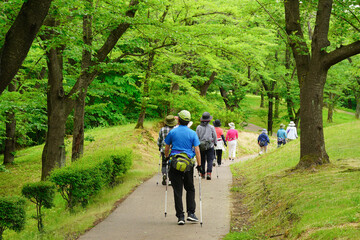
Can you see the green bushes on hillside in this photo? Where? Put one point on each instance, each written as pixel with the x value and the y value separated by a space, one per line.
pixel 12 214
pixel 81 180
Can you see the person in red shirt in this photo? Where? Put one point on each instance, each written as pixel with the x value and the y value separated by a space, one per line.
pixel 219 148
pixel 231 138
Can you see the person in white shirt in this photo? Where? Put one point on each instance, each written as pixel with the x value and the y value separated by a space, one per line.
pixel 291 131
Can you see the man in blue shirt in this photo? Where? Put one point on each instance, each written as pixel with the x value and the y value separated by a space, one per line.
pixel 183 140
pixel 281 135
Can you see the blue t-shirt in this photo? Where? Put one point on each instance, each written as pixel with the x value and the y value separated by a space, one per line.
pixel 182 140
pixel 281 133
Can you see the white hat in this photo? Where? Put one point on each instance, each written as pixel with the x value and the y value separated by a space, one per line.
pixel 231 125
pixel 291 124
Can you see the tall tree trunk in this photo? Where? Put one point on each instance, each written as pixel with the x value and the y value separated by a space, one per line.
pixel 270 113
pixel 357 99
pixel 58 109
pixel 262 101
pixel 277 103
pixel 330 108
pixel 10 141
pixel 206 85
pixel 145 95
pixel 20 37
pixel 79 109
pixel 312 136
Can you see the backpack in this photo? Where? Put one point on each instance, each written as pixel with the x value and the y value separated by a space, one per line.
pixel 205 145
pixel 262 143
pixel 181 162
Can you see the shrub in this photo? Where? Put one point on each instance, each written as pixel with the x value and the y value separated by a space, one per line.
pixel 42 194
pixel 122 163
pixel 77 183
pixel 12 214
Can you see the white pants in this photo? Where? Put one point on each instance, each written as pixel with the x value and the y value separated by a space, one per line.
pixel 232 149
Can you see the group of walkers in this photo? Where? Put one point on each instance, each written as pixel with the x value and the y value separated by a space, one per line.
pixel 283 136
pixel 180 147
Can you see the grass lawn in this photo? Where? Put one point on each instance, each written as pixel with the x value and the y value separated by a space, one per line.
pixel 323 203
pixel 59 223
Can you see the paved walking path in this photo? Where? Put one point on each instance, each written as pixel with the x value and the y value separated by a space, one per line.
pixel 141 216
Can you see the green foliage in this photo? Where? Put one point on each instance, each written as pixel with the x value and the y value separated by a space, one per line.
pixel 12 214
pixel 122 163
pixel 80 181
pixel 42 195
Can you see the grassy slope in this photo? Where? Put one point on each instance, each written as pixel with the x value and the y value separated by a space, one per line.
pixel 59 223
pixel 323 203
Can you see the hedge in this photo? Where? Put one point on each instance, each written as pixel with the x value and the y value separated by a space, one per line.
pixel 83 179
pixel 12 214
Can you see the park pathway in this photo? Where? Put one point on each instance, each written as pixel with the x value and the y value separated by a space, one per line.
pixel 141 215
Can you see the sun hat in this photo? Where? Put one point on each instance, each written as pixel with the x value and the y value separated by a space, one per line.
pixel 184 115
pixel 217 123
pixel 231 125
pixel 292 124
pixel 264 131
pixel 205 117
pixel 170 120
pixel 282 125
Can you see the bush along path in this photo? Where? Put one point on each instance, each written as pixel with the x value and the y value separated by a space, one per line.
pixel 141 215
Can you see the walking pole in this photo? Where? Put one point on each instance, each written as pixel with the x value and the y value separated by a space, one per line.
pixel 167 182
pixel 201 222
pixel 216 166
pixel 159 169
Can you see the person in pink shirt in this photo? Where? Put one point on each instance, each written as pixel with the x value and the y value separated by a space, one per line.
pixel 219 148
pixel 231 138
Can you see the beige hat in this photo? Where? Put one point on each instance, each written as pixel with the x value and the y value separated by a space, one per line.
pixel 170 121
pixel 231 125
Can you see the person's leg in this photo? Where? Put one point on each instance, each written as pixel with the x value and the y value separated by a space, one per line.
pixel 190 191
pixel 219 156
pixel 203 160
pixel 163 163
pixel 176 178
pixel 209 159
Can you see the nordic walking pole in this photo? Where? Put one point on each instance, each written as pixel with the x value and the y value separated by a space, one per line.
pixel 159 169
pixel 201 222
pixel 167 182
pixel 217 174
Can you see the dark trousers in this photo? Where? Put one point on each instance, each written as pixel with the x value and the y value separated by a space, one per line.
pixel 218 155
pixel 178 181
pixel 163 163
pixel 207 156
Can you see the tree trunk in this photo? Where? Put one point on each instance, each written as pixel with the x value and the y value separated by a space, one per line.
pixel 79 111
pixel 357 113
pixel 330 108
pixel 277 103
pixel 10 141
pixel 312 136
pixel 270 113
pixel 20 37
pixel 58 111
pixel 145 95
pixel 262 102
pixel 206 85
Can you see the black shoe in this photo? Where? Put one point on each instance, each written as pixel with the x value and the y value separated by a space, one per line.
pixel 164 180
pixel 181 221
pixel 214 164
pixel 192 218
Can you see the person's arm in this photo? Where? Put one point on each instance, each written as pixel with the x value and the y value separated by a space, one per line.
pixel 223 138
pixel 167 150
pixel 197 154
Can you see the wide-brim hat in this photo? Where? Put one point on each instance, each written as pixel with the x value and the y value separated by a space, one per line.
pixel 206 117
pixel 170 121
pixel 232 125
pixel 292 124
pixel 264 131
pixel 217 123
pixel 282 125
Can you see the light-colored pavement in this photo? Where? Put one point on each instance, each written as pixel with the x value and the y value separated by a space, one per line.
pixel 141 216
